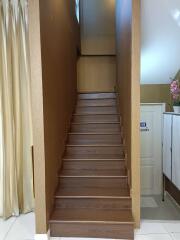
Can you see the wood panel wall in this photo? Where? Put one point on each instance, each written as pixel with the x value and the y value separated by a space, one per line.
pixel 53 50
pixel 128 87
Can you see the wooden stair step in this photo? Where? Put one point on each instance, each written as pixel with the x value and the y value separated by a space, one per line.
pixel 79 118
pixel 84 139
pixel 94 150
pixel 96 127
pixel 93 202
pixel 93 192
pixel 94 172
pixel 97 109
pixel 93 156
pixel 95 223
pixel 94 165
pixel 96 96
pixel 93 181
pixel 95 102
pixel 96 215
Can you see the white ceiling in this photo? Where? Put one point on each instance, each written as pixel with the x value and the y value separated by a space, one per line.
pixel 160 55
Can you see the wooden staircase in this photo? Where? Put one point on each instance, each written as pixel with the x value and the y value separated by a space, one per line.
pixel 93 197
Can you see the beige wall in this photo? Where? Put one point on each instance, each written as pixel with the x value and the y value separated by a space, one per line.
pixel 54 93
pixel 98 27
pixel 128 86
pixel 155 93
pixel 96 74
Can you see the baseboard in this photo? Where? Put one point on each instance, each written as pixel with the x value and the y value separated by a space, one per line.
pixel 42 236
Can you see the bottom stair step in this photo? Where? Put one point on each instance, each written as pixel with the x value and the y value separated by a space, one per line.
pixel 95 223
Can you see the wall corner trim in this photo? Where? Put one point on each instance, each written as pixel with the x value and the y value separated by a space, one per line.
pixel 42 236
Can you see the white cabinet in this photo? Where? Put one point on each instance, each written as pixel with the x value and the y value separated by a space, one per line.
pixel 171 148
pixel 176 151
pixel 167 138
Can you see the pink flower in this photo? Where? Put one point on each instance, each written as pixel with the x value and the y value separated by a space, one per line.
pixel 175 89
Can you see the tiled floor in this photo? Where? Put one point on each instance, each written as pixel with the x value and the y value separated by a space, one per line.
pixel 166 210
pixel 23 228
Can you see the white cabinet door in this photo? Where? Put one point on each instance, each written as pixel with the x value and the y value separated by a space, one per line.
pixel 176 151
pixel 151 149
pixel 167 135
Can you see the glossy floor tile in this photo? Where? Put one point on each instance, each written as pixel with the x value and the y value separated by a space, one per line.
pixel 23 228
pixel 166 210
pixel 5 226
pixel 175 236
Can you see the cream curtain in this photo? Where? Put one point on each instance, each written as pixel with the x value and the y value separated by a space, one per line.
pixel 16 172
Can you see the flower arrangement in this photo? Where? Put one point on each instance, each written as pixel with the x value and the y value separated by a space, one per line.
pixel 175 92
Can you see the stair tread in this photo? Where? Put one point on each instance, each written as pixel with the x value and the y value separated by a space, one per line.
pixel 80 123
pixel 94 114
pixel 96 95
pixel 93 191
pixel 91 133
pixel 94 215
pixel 96 145
pixel 93 172
pixel 93 196
pixel 93 159
pixel 94 156
pixel 95 102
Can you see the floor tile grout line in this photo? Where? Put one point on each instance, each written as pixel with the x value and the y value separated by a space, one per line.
pixel 11 226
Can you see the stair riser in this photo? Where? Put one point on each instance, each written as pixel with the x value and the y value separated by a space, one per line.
pixel 92 230
pixel 95 139
pixel 95 118
pixel 96 128
pixel 94 110
pixel 117 152
pixel 94 165
pixel 92 203
pixel 94 103
pixel 109 172
pixel 98 192
pixel 97 96
pixel 93 182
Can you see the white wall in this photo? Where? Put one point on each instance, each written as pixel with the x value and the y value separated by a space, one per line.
pixel 160 57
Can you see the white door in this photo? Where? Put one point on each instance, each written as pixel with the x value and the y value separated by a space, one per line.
pixel 176 151
pixel 151 148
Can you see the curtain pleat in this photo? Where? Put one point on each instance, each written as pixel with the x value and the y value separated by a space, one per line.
pixel 16 185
